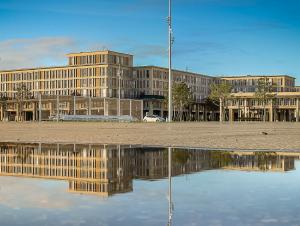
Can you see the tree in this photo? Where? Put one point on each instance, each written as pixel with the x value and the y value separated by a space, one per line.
pixel 181 157
pixel 22 94
pixel 219 93
pixel 264 92
pixel 182 98
pixel 3 100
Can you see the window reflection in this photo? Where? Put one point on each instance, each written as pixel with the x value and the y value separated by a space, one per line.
pixel 110 169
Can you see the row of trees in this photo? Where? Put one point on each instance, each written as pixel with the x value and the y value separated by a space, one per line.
pixel 22 94
pixel 223 91
pixel 219 94
pixel 182 97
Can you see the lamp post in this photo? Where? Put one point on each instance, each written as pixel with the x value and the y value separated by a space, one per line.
pixel 40 106
pixel 119 97
pixel 170 62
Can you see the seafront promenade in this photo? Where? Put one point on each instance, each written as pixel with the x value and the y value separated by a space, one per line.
pixel 243 135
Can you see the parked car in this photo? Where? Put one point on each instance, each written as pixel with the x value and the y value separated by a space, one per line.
pixel 54 117
pixel 153 118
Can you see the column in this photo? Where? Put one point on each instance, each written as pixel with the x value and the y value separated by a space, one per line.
pixel 17 113
pixel 284 115
pixel 161 109
pixel 290 115
pixel 297 110
pixel 271 112
pixel 130 107
pixel 198 112
pixel 150 107
pixel 1 115
pixel 231 116
pixel 245 109
pixel 57 108
pixel 34 112
pixel 40 107
pixel 74 104
pixel 50 107
pixel 105 105
pixel 89 105
pixel 142 109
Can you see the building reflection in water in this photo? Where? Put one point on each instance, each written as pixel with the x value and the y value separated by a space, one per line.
pixel 110 169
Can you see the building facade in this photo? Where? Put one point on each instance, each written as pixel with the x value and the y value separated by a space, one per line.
pixel 282 106
pixel 47 107
pixel 108 75
pixel 152 85
pixel 248 83
pixel 95 74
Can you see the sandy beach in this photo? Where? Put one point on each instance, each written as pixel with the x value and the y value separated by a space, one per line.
pixel 285 136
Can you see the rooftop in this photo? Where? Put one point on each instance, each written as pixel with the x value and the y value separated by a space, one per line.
pixel 97 52
pixel 175 70
pixel 255 76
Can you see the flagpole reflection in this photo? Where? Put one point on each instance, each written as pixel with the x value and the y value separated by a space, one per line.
pixel 170 216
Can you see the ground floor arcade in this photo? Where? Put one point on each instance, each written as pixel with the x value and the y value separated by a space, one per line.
pixel 283 107
pixel 46 107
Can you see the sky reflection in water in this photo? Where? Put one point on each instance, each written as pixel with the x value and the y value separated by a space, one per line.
pixel 122 185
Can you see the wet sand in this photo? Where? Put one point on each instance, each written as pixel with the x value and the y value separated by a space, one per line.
pixel 285 136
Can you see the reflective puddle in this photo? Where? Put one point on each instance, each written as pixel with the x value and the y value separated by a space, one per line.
pixel 92 184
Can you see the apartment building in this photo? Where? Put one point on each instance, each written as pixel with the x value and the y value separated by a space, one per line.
pixel 95 74
pixel 105 74
pixel 248 83
pixel 278 106
pixel 108 74
pixel 152 80
pixel 152 84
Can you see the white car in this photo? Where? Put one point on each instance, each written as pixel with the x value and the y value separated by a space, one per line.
pixel 153 118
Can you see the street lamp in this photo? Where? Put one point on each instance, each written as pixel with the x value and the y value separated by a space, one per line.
pixel 119 98
pixel 170 62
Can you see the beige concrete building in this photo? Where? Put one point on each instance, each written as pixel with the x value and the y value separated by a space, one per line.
pixel 248 83
pixel 94 74
pixel 282 106
pixel 282 103
pixel 152 80
pixel 45 107
pixel 152 85
pixel 101 76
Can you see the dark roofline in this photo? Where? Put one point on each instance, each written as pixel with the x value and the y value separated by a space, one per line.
pixel 176 70
pixel 99 51
pixel 32 69
pixel 253 76
pixel 50 67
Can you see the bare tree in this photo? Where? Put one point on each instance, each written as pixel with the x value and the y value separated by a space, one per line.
pixel 219 93
pixel 182 98
pixel 3 100
pixel 263 92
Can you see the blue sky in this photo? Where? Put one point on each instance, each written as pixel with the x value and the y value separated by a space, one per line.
pixel 214 37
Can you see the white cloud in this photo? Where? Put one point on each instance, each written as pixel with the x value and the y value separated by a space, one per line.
pixel 150 50
pixel 24 53
pixel 31 193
